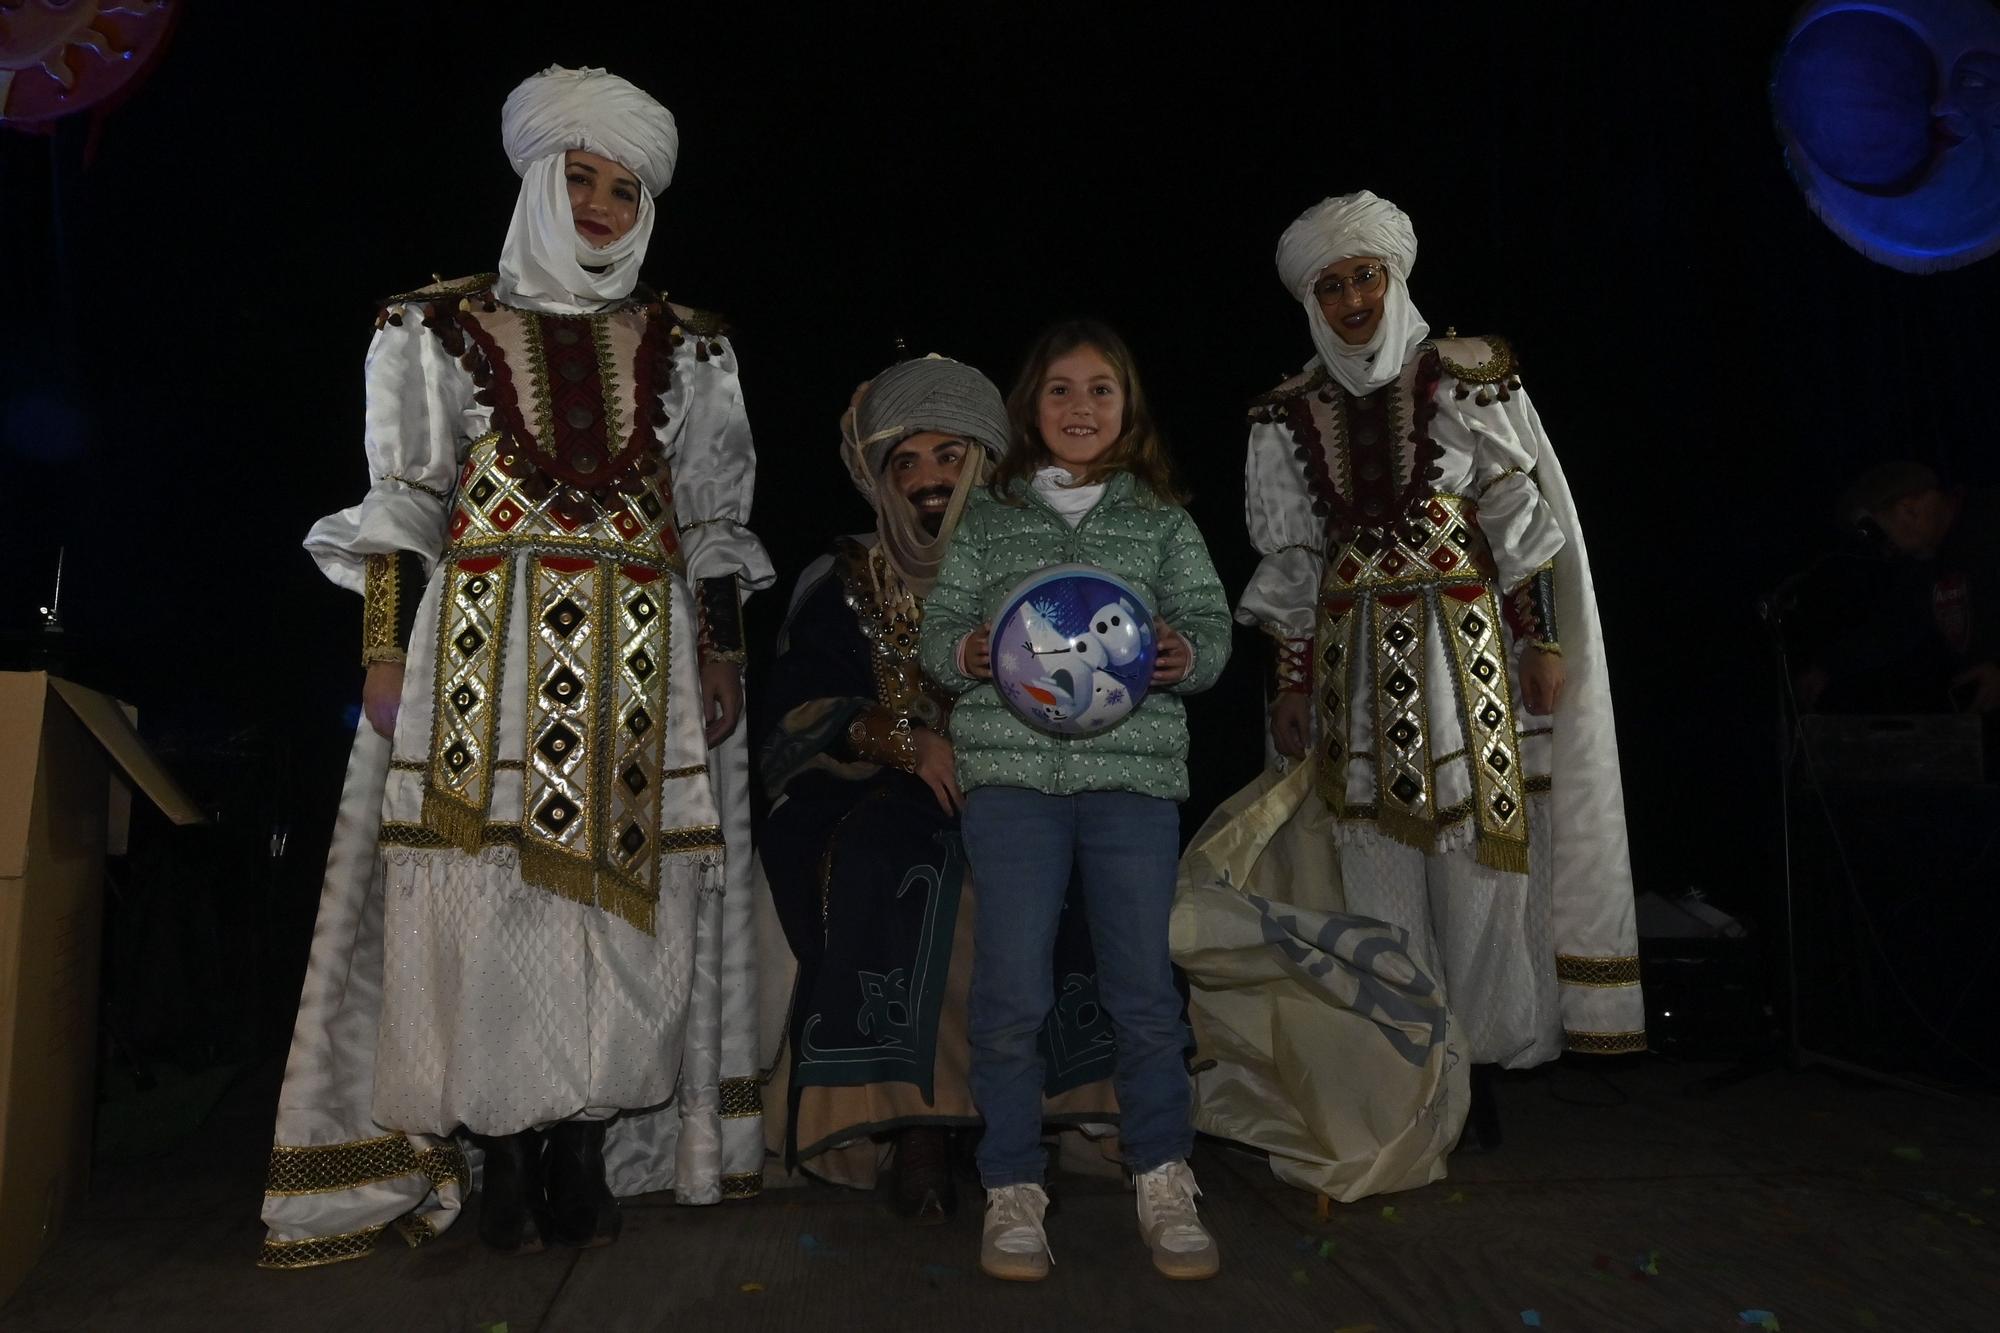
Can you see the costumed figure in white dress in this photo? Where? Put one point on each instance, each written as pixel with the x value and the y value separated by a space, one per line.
pixel 862 847
pixel 524 934
pixel 1441 679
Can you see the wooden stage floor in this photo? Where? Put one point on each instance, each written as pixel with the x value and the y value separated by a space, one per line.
pixel 1619 1202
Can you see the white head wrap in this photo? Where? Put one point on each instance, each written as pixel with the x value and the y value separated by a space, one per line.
pixel 542 262
pixel 1349 226
pixel 911 397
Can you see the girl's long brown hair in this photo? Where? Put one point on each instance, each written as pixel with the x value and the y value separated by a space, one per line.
pixel 1139 448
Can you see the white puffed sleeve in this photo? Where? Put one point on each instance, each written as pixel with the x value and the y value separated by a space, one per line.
pixel 714 467
pixel 1519 525
pixel 417 397
pixel 1291 538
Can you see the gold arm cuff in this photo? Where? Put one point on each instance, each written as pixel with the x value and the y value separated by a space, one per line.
pixel 1574 970
pixel 881 737
pixel 741 1097
pixel 379 596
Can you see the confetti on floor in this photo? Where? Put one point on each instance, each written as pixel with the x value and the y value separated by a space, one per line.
pixel 1763 1319
pixel 1907 1153
pixel 1649 1263
pixel 1456 1196
pixel 1389 1213
pixel 751 1288
pixel 1532 1318
pixel 1326 1248
pixel 1299 1276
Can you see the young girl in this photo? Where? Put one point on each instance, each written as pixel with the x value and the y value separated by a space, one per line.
pixel 1086 480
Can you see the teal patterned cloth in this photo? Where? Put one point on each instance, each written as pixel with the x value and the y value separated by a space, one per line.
pixel 1153 546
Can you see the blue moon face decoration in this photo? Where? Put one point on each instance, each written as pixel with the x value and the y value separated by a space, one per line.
pixel 1073 650
pixel 1889 111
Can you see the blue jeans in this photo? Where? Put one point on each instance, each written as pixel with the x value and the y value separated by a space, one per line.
pixel 1021 845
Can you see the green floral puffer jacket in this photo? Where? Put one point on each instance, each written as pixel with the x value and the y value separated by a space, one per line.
pixel 1153 546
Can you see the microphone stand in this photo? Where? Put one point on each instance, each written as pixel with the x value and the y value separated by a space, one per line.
pixel 1772 608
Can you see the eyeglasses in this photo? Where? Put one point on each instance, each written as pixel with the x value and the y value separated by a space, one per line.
pixel 1364 281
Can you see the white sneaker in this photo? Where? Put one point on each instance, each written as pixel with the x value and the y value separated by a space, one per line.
pixel 1014 1247
pixel 1182 1247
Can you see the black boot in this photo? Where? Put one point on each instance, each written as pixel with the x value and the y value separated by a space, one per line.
pixel 512 1213
pixel 1482 1118
pixel 582 1212
pixel 924 1190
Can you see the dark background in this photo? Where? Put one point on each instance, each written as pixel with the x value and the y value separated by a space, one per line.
pixel 187 312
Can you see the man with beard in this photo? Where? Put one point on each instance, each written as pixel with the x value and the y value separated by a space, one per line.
pixel 862 847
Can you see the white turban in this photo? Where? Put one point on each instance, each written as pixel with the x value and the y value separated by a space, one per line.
pixel 542 265
pixel 1350 226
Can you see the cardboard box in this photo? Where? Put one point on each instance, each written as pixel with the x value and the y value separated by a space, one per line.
pixel 66 755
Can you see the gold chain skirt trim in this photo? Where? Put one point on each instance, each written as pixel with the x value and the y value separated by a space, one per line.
pixel 1606 1043
pixel 317 1251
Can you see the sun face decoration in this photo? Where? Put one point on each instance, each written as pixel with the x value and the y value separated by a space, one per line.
pixel 60 56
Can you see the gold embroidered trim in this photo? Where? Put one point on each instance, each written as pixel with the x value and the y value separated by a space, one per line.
pixel 1606 1043
pixel 473 621
pixel 316 1251
pixel 329 1168
pixel 880 737
pixel 692 770
pixel 415 1230
pixel 441 287
pixel 442 497
pixel 741 1097
pixel 1497 367
pixel 702 323
pixel 379 597
pixel 743 1185
pixel 697 838
pixel 1574 970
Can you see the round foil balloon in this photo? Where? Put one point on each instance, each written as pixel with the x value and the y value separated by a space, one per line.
pixel 1073 650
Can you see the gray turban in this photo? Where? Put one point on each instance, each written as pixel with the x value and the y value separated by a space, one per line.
pixel 909 398
pixel 930 393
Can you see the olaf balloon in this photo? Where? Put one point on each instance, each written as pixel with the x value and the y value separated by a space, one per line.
pixel 1073 650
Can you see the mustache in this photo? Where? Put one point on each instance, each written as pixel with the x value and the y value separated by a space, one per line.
pixel 930 493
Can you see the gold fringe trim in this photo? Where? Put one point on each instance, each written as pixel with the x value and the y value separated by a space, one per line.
pixel 1503 854
pixel 570 876
pixel 1606 1043
pixel 460 823
pixel 1576 970
pixel 1410 830
pixel 318 1251
pixel 743 1185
